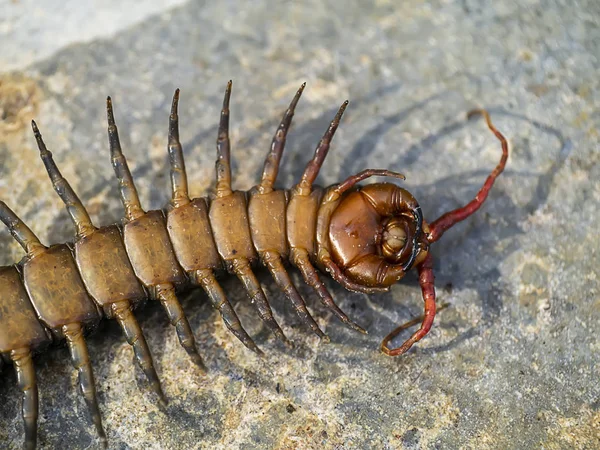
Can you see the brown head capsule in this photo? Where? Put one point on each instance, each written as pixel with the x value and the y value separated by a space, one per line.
pixel 375 235
pixel 369 237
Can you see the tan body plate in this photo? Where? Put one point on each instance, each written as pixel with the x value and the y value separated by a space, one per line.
pixel 19 325
pixel 105 268
pixel 301 220
pixel 229 220
pixel 56 289
pixel 150 251
pixel 266 213
pixel 191 235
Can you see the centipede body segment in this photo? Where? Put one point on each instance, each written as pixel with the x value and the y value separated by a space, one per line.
pixel 365 237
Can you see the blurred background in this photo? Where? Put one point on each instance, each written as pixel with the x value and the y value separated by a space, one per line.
pixel 512 363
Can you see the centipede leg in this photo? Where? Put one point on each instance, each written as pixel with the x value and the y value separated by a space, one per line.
pixel 133 334
pixel 257 297
pixel 127 189
pixel 223 165
pixel 271 167
pixel 81 361
pixel 179 182
pixel 314 166
pixel 168 299
pixel 311 277
pixel 352 180
pixel 20 231
pixel 28 385
pixel 426 280
pixel 273 262
pixel 447 220
pixel 216 295
pixel 78 213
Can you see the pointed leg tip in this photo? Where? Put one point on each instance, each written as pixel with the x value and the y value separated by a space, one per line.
pixel 200 364
pixel 322 336
pixel 175 102
pixel 358 328
pixel 250 345
pixel 162 398
pixel 162 401
pixel 109 111
pixel 104 443
pixel 289 344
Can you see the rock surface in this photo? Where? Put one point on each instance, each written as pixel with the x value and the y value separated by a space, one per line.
pixel 512 363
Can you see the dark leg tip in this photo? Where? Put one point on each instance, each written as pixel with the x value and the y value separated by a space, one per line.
pixel 322 336
pixel 199 363
pixel 356 327
pixel 250 345
pixel 162 398
pixel 289 344
pixel 163 402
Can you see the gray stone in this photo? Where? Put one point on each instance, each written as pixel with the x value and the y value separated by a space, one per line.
pixel 512 363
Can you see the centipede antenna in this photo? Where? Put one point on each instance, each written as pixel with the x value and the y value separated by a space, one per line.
pixel 77 211
pixel 449 219
pixel 21 232
pixel 223 165
pixel 81 361
pixel 129 194
pixel 179 181
pixel 273 159
pixel 314 166
pixel 28 385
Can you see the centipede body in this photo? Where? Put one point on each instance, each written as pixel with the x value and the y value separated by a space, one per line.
pixel 366 238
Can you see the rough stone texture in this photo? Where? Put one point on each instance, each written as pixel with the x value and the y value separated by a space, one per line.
pixel 512 363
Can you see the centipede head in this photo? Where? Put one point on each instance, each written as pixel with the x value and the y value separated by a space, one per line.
pixel 375 235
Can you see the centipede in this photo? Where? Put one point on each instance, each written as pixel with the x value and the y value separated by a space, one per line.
pixel 364 236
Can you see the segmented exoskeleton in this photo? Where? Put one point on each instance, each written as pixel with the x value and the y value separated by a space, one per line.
pixel 365 237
